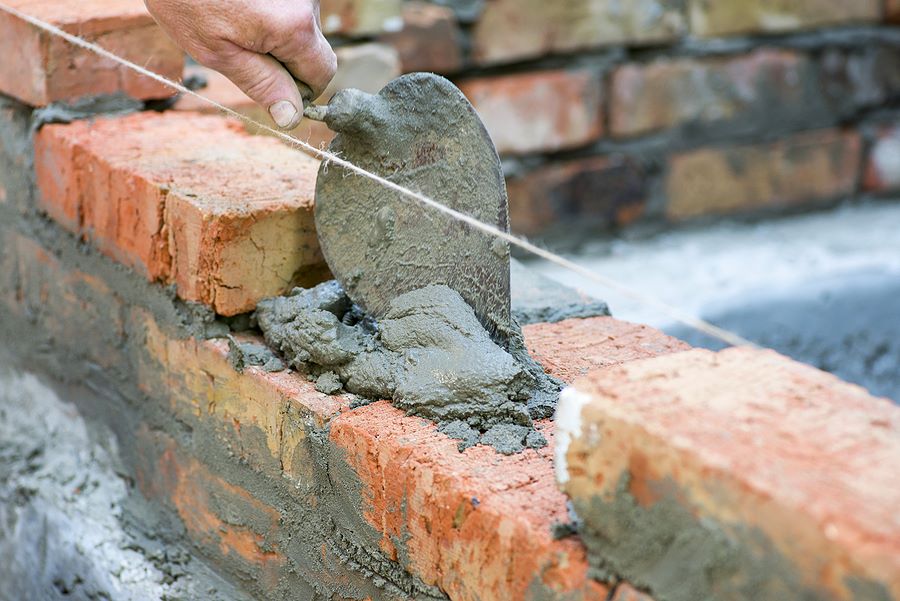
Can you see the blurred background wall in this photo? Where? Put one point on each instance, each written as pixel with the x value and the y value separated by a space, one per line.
pixel 615 113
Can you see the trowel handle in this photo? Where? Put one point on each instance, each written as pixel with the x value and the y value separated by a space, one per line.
pixel 312 111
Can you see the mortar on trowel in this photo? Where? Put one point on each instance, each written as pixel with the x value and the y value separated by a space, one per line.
pixel 420 312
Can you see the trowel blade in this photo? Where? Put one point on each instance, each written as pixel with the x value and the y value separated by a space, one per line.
pixel 422 133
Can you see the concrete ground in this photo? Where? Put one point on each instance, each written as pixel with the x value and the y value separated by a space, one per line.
pixel 822 288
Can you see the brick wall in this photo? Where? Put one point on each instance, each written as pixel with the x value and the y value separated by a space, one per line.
pixel 573 91
pixel 129 251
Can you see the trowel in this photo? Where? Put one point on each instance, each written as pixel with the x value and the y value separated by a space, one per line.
pixel 419 132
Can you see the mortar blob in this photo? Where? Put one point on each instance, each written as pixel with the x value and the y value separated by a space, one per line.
pixel 429 354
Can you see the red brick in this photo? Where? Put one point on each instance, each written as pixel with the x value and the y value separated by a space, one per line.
pixel 671 92
pixel 360 17
pixel 225 520
pixel 883 162
pixel 478 524
pixel 808 167
pixel 511 30
pixel 539 111
pixel 188 199
pixel 48 69
pixel 429 41
pixel 595 192
pixel 767 450
pixel 726 17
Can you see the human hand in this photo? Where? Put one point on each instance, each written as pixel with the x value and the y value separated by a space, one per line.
pixel 262 46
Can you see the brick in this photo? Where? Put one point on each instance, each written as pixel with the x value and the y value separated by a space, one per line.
pixel 49 69
pixel 597 192
pixel 513 30
pixel 788 466
pixel 224 520
pixel 357 18
pixel 743 89
pixel 883 161
pixel 366 67
pixel 429 41
pixel 478 524
pixel 626 592
pixel 186 199
pixel 710 18
pixel 808 167
pixel 539 111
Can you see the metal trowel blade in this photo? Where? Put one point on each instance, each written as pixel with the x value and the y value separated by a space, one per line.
pixel 422 133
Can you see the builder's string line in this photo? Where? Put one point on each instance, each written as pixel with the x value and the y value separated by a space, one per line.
pixel 664 308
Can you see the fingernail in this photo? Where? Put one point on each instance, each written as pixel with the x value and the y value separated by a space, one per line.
pixel 284 113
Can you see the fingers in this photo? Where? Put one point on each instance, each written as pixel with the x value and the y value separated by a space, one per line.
pixel 314 62
pixel 266 81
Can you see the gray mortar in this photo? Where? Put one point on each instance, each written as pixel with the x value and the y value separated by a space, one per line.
pixel 63 506
pixel 538 299
pixel 429 354
pixel 666 550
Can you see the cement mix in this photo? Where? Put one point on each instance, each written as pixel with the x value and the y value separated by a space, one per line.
pixel 63 502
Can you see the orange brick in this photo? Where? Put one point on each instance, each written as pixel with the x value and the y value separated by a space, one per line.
pixel 539 111
pixel 478 524
pixel 221 518
pixel 670 92
pixel 883 161
pixel 784 461
pixel 48 69
pixel 590 193
pixel 188 199
pixel 808 167
pixel 360 17
pixel 727 17
pixel 510 30
pixel 430 39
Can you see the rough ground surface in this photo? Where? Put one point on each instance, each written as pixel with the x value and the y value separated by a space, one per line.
pixel 65 510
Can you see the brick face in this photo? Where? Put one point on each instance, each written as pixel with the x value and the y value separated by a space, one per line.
pixel 595 192
pixel 747 88
pixel 511 30
pixel 808 167
pixel 761 447
pixel 726 17
pixel 430 39
pixel 360 17
pixel 539 111
pixel 225 216
pixel 48 69
pixel 892 11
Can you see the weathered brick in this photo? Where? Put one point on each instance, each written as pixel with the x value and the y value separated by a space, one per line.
pixel 430 39
pixel 360 17
pixel 224 520
pixel 756 87
pixel 595 192
pixel 539 111
pixel 48 69
pixel 476 523
pixel 727 17
pixel 786 467
pixel 808 167
pixel 225 216
pixel 883 162
pixel 511 30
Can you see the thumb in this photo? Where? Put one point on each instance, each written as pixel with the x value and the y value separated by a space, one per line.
pixel 267 82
